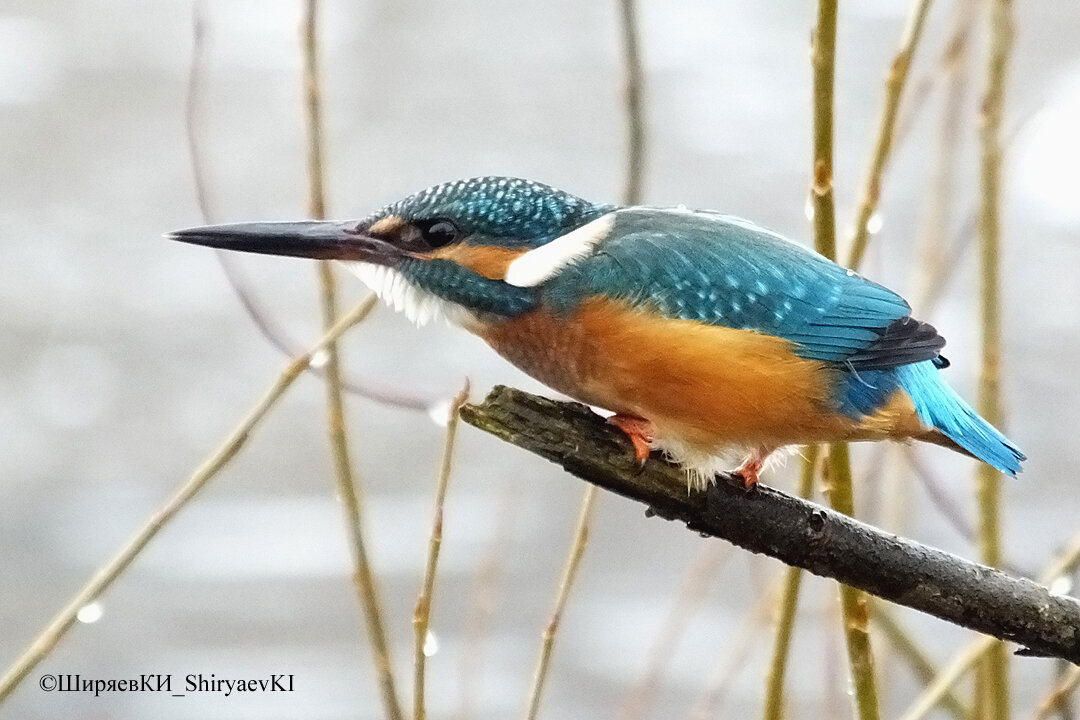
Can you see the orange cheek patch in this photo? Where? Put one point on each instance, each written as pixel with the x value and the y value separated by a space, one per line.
pixel 491 262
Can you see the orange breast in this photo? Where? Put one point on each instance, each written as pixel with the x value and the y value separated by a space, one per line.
pixel 709 385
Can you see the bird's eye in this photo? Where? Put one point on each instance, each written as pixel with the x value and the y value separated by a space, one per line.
pixel 439 233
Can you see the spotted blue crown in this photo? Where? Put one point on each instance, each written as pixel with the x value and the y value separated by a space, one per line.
pixel 521 213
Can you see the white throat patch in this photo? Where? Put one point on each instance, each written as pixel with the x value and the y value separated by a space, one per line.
pixel 397 292
pixel 536 266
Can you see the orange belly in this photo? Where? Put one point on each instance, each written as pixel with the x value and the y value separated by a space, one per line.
pixel 708 386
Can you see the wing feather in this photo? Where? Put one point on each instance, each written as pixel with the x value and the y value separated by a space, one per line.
pixel 725 271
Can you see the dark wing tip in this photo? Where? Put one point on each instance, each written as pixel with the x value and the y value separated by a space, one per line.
pixel 902 342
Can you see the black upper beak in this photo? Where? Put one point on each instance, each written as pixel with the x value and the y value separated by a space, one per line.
pixel 308 239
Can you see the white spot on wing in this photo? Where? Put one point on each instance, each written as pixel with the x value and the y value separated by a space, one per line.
pixel 536 266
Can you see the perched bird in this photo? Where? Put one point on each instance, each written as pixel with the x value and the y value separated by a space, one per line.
pixel 704 333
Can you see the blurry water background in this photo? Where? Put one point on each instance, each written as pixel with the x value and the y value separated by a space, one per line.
pixel 126 358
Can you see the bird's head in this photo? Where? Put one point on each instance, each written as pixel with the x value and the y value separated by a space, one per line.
pixel 450 244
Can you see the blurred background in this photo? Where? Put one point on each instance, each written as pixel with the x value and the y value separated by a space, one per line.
pixel 127 358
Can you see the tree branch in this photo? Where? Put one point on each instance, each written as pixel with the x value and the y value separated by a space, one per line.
pixel 794 531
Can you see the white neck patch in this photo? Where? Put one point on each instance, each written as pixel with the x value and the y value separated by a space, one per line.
pixel 536 266
pixel 420 306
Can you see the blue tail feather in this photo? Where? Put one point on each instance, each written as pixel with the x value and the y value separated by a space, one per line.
pixel 939 406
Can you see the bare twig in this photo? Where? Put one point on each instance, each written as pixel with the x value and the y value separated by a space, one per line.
pixel 1059 695
pixel 989 232
pixel 635 107
pixel 854 603
pixel 934 692
pixel 482 601
pixel 191 110
pixel 823 55
pixel 1064 564
pixel 274 334
pixel 726 670
pixel 913 655
pixel 949 508
pixel 923 88
pixel 894 87
pixel 309 41
pixel 577 550
pixel 422 613
pixel 642 694
pixel 111 570
pixel 635 168
pixel 965 234
pixel 793 530
pixel 348 490
pixel 789 603
pixel 933 230
pixel 835 701
pixel 994 672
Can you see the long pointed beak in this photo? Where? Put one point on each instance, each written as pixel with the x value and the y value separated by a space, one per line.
pixel 308 239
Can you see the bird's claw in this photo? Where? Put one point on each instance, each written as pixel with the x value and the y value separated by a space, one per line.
pixel 744 480
pixel 746 475
pixel 639 432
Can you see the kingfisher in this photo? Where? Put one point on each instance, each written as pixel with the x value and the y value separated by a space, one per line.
pixel 707 336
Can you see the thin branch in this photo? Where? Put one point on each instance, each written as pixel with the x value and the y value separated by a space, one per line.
pixel 313 124
pixel 934 692
pixel 795 531
pixel 1060 695
pixel 725 672
pixel 483 599
pixel 789 603
pixel 853 602
pixel 577 550
pixel 694 586
pixel 894 87
pixel 946 506
pixel 823 56
pixel 990 236
pixel 633 89
pixel 274 334
pixel 1064 690
pixel 635 168
pixel 966 232
pixel 923 668
pixel 422 612
pixel 349 492
pixel 1065 564
pixel 835 701
pixel 994 672
pixel 47 639
pixel 347 487
pixel 923 88
pixel 191 110
pixel 932 240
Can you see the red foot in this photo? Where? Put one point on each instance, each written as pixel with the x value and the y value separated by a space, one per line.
pixel 638 430
pixel 752 466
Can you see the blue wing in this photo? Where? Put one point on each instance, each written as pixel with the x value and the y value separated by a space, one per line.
pixel 724 271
